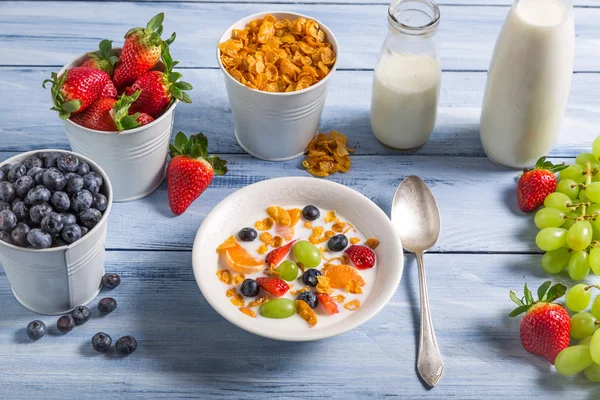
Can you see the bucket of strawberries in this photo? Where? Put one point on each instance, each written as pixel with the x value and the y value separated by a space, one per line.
pixel 118 106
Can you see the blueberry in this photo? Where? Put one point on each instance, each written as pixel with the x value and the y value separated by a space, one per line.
pixel 81 201
pixel 83 168
pixel 126 345
pixel 101 342
pixel 84 230
pixel 249 288
pixel 311 213
pixel 107 305
pixel 23 185
pixel 20 209
pixel 71 233
pixel 7 191
pixel 19 234
pixel 247 234
pixel 68 219
pixel 81 315
pixel 38 195
pixel 74 183
pixel 54 179
pixel 36 329
pixel 100 202
pixel 337 242
pixel 91 183
pixel 39 211
pixel 309 277
pixel 111 281
pixel 5 205
pixel 8 220
pixel 33 170
pixel 52 223
pixel 33 162
pixel 57 241
pixel 67 162
pixel 39 176
pixel 60 201
pixel 6 169
pixel 5 237
pixel 39 239
pixel 90 217
pixel 97 176
pixel 65 324
pixel 309 297
pixel 3 177
pixel 17 171
pixel 49 159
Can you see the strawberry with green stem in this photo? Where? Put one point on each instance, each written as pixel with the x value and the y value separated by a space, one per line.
pixel 545 328
pixel 159 89
pixel 190 171
pixel 141 51
pixel 537 183
pixel 103 59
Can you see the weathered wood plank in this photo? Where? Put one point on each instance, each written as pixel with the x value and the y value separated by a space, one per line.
pixel 52 36
pixel 476 199
pixel 27 122
pixel 186 350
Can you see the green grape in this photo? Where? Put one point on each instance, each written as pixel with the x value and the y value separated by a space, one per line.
pixel 579 265
pixel 554 262
pixel 579 235
pixel 596 307
pixel 549 218
pixel 278 308
pixel 596 147
pixel 583 158
pixel 583 324
pixel 594 260
pixel 595 347
pixel 573 360
pixel 586 340
pixel 570 221
pixel 574 171
pixel 592 373
pixel 592 209
pixel 568 187
pixel 582 196
pixel 288 270
pixel 308 254
pixel 548 239
pixel 557 200
pixel 593 192
pixel 577 298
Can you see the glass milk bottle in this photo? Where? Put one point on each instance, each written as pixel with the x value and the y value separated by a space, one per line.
pixel 528 82
pixel 406 82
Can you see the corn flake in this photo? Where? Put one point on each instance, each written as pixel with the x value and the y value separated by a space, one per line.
pixel 277 242
pixel 372 243
pixel 330 217
pixel 323 285
pixel 239 278
pixel 224 276
pixel 352 305
pixel 231 292
pixel 338 226
pixel 307 313
pixel 279 215
pixel 266 238
pixel 353 287
pixel 340 298
pixel 272 271
pixel 264 225
pixel 354 240
pixel 238 300
pixel 327 154
pixel 308 224
pixel 258 302
pixel 262 249
pixel 248 312
pixel 295 214
pixel 301 290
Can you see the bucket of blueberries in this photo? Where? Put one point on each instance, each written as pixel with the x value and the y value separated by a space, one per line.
pixel 54 207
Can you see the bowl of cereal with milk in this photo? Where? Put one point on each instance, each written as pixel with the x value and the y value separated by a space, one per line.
pixel 297 259
pixel 277 68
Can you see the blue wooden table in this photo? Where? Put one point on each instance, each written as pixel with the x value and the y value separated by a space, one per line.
pixel 186 350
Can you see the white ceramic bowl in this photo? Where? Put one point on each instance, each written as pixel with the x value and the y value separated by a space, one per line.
pixel 276 126
pixel 135 159
pixel 224 220
pixel 54 281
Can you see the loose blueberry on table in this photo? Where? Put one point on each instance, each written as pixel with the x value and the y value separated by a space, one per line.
pixel 81 315
pixel 111 281
pixel 107 305
pixel 126 345
pixel 36 329
pixel 101 342
pixel 65 324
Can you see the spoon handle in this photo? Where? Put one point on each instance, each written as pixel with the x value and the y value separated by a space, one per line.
pixel 429 360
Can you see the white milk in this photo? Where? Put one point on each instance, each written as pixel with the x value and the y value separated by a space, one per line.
pixel 528 82
pixel 405 96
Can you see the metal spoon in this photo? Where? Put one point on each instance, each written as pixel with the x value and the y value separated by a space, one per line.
pixel 417 220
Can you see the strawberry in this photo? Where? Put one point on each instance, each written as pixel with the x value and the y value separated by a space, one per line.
pixel 362 256
pixel 190 170
pixel 535 184
pixel 109 91
pixel 76 89
pixel 274 286
pixel 276 256
pixel 327 302
pixel 546 326
pixel 104 59
pixel 141 51
pixel 108 115
pixel 143 118
pixel 159 89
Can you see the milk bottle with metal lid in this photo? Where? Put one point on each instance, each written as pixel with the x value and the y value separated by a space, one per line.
pixel 528 82
pixel 406 82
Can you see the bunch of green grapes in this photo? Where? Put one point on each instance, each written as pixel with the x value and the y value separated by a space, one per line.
pixel 569 222
pixel 584 356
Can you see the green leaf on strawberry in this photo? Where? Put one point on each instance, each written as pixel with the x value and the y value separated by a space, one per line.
pixel 123 120
pixel 546 294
